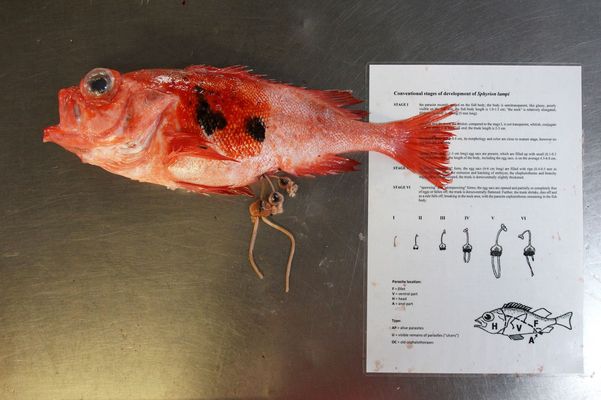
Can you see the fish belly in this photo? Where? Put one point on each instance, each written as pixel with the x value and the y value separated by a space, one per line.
pixel 218 173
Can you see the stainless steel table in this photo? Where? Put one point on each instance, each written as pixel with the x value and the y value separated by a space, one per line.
pixel 111 289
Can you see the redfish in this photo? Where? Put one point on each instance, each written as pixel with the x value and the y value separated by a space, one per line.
pixel 217 130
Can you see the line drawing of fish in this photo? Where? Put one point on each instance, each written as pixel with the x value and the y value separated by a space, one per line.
pixel 516 320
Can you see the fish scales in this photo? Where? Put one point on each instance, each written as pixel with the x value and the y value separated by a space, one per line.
pixel 218 130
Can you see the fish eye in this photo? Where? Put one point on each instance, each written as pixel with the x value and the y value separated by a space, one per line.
pixel 487 317
pixel 98 82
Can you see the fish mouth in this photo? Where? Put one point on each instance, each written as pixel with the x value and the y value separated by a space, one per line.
pixel 70 140
pixel 52 133
pixel 479 324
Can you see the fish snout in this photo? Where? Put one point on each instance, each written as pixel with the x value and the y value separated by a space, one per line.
pixel 69 109
pixel 65 133
pixel 480 323
pixel 51 134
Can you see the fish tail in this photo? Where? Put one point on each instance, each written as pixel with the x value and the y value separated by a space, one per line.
pixel 421 144
pixel 565 320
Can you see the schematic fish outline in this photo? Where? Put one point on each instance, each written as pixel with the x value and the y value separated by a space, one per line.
pixel 516 321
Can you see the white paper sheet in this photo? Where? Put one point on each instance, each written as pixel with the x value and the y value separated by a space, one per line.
pixel 517 163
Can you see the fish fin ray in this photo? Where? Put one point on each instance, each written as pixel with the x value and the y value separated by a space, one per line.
pixel 517 305
pixel 340 99
pixel 232 69
pixel 335 98
pixel 543 312
pixel 421 144
pixel 204 189
pixel 328 164
pixel 188 144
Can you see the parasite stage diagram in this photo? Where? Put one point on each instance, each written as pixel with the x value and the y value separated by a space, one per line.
pixel 442 245
pixel 495 253
pixel 528 250
pixel 467 247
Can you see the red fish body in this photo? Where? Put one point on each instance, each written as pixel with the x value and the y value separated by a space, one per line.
pixel 212 130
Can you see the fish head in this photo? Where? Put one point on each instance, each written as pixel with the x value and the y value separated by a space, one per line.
pixel 491 321
pixel 109 119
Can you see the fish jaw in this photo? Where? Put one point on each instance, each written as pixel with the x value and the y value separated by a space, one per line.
pixel 480 323
pixel 69 140
pixel 65 133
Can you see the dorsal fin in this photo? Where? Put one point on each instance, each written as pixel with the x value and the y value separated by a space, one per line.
pixel 233 69
pixel 341 99
pixel 543 312
pixel 336 98
pixel 516 305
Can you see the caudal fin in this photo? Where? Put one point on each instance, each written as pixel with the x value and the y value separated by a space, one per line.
pixel 422 145
pixel 565 320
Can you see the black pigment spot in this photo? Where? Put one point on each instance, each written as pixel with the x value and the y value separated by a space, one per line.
pixel 256 128
pixel 209 120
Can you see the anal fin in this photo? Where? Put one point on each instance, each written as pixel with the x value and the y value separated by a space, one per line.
pixel 203 189
pixel 328 164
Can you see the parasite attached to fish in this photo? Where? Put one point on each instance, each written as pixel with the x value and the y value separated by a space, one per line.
pixel 218 130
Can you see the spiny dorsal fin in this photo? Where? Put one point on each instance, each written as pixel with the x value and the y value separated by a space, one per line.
pixel 233 69
pixel 336 98
pixel 516 305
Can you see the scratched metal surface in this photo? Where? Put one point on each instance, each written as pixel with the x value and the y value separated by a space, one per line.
pixel 111 289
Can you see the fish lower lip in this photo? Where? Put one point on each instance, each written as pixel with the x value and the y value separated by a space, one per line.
pixel 50 132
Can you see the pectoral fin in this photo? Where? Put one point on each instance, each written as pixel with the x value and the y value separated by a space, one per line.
pixel 191 144
pixel 516 337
